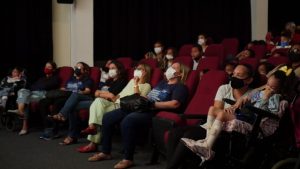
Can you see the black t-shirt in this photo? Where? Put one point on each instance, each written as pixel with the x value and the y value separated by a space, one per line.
pixel 115 87
pixel 46 83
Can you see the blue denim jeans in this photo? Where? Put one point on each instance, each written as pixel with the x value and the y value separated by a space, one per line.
pixel 72 102
pixel 131 125
pixel 74 121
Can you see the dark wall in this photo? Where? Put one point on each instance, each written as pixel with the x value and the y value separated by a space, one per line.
pixel 129 27
pixel 281 12
pixel 27 35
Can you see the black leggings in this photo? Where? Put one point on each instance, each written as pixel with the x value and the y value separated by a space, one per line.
pixel 177 152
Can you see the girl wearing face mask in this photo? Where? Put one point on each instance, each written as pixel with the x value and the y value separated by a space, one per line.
pixel 169 94
pixel 36 92
pixel 169 58
pixel 139 84
pixel 267 98
pixel 202 41
pixel 77 88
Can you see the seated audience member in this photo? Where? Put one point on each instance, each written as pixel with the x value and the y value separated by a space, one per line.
pixel 158 54
pixel 202 41
pixel 264 68
pixel 10 85
pixel 285 39
pixel 138 84
pixel 169 94
pixel 291 28
pixel 63 103
pixel 238 86
pixel 267 98
pixel 229 67
pixel 196 53
pixel 247 53
pixel 294 57
pixel 36 92
pixel 171 53
pixel 104 74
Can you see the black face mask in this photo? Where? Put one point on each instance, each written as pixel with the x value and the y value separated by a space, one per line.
pixel 294 55
pixel 236 83
pixel 77 72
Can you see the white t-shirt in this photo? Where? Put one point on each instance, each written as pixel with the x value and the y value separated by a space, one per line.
pixel 195 65
pixel 225 91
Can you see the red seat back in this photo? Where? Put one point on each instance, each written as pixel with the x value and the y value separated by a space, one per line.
pixel 215 50
pixel 280 51
pixel 126 61
pixel 259 50
pixel 192 83
pixel 296 39
pixel 130 72
pixel 156 77
pixel 64 74
pixel 278 60
pixel 95 75
pixel 231 46
pixel 251 61
pixel 209 63
pixel 186 60
pixel 205 93
pixel 295 113
pixel 151 62
pixel 185 50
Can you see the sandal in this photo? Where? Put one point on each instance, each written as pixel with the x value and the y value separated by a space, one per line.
pixel 99 157
pixel 124 164
pixel 68 141
pixel 58 117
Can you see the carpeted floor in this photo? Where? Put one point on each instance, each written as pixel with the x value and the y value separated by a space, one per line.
pixel 30 152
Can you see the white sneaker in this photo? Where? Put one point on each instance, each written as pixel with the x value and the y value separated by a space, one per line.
pixel 199 147
pixel 204 126
pixel 23 132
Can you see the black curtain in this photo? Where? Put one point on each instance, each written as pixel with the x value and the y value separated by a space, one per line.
pixel 281 12
pixel 125 28
pixel 27 35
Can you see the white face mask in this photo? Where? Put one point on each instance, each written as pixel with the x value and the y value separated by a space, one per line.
pixel 201 41
pixel 158 50
pixel 137 73
pixel 170 73
pixel 112 73
pixel 169 57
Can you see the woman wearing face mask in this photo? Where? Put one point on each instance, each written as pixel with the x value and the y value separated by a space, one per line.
pixel 78 88
pixel 169 94
pixel 196 53
pixel 36 92
pixel 158 53
pixel 239 86
pixel 169 58
pixel 104 74
pixel 138 84
pixel 202 41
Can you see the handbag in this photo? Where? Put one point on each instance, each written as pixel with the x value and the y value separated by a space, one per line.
pixel 57 93
pixel 135 103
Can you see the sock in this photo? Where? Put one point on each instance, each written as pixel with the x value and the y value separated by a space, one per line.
pixel 209 122
pixel 214 133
